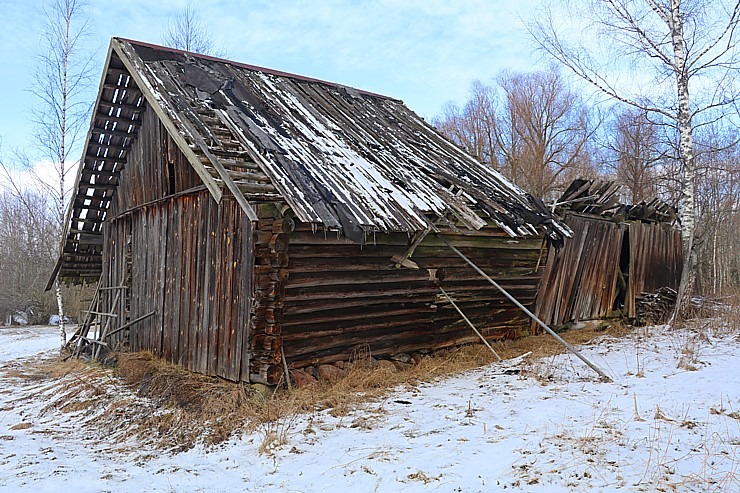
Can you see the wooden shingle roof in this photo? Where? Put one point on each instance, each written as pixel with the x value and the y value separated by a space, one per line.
pixel 341 158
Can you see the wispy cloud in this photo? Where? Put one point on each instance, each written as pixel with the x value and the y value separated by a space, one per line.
pixel 40 176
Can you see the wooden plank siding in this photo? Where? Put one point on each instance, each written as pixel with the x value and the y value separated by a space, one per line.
pixel 580 280
pixel 198 286
pixel 656 260
pixel 155 168
pixel 186 258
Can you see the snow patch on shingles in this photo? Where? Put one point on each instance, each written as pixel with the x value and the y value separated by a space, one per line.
pixel 347 174
pixel 424 198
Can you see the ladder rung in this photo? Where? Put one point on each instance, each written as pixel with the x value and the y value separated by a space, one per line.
pixel 103 314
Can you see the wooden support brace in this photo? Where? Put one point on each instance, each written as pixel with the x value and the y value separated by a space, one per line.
pixel 454 305
pixel 129 324
pixel 404 260
pixel 534 317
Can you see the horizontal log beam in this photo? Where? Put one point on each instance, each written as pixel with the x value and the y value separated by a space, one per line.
pixel 313 294
pixel 299 354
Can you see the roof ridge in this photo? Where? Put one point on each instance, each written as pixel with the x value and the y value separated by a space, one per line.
pixel 255 68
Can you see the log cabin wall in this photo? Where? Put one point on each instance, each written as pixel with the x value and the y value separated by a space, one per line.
pixel 269 273
pixel 184 257
pixel 342 298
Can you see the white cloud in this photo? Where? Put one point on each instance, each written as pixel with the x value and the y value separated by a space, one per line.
pixel 40 176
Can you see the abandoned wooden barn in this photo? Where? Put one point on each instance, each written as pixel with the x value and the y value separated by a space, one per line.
pixel 617 253
pixel 266 220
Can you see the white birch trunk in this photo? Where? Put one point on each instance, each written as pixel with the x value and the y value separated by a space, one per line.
pixel 60 308
pixel 686 150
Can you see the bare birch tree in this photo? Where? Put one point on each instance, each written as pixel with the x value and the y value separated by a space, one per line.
pixel 687 49
pixel 61 78
pixel 186 31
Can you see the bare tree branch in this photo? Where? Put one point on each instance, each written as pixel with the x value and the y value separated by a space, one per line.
pixel 186 31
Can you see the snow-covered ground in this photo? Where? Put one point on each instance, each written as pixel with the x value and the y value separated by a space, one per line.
pixel 670 421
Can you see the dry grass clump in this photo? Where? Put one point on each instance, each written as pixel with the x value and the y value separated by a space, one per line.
pixel 188 408
pixel 192 407
pixel 174 409
pixel 42 368
pixel 713 318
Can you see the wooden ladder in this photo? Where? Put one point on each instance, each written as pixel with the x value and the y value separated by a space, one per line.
pixel 93 317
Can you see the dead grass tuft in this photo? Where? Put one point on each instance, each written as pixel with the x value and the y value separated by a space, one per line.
pixel 196 408
pixel 176 409
pixel 44 368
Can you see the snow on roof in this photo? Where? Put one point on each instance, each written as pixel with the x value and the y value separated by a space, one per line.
pixel 342 158
pixel 347 159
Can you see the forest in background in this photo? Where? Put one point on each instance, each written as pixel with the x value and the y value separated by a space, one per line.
pixel 541 132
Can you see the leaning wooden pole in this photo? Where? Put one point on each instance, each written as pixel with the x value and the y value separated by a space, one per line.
pixel 528 312
pixel 454 305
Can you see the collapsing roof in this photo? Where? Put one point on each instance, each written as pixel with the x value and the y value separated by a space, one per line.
pixel 342 159
pixel 601 198
pixel 618 253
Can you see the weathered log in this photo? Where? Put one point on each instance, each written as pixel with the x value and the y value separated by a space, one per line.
pixel 279 243
pixel 379 327
pixel 283 225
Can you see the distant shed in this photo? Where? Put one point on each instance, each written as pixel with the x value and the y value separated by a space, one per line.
pixel 617 253
pixel 269 220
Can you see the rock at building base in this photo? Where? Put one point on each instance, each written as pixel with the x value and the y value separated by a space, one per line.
pixel 330 372
pixel 302 378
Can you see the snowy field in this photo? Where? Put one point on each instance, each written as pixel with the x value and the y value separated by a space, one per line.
pixel 670 421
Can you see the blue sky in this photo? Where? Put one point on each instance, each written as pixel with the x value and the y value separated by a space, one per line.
pixel 425 52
